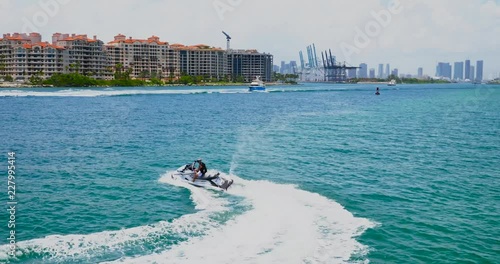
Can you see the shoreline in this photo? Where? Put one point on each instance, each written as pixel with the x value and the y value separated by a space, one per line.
pixel 19 85
pixel 27 86
pixel 379 83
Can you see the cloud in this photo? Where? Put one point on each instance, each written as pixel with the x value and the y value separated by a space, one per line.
pixel 438 31
pixel 435 30
pixel 5 5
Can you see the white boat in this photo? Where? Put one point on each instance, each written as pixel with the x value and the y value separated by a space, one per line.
pixel 392 83
pixel 257 85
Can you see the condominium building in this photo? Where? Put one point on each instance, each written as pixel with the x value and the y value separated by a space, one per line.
pixel 420 73
pixel 147 58
pixel 395 72
pixel 202 60
pixel 23 56
pixel 467 70
pixel 41 59
pixel 458 71
pixel 443 70
pixel 372 73
pixel 381 71
pixel 8 44
pixel 479 69
pixel 363 70
pixel 249 64
pixel 85 56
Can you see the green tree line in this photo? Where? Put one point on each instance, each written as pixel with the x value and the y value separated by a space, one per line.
pixel 285 78
pixel 398 80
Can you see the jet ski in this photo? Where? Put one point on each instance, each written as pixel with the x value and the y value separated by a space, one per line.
pixel 186 174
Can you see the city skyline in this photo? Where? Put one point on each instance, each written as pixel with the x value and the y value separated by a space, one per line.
pixel 474 72
pixel 420 34
pixel 452 71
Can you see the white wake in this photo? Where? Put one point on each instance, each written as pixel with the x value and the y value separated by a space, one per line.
pixel 111 92
pixel 285 225
pixel 281 225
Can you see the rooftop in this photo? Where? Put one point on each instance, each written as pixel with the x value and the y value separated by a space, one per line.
pixel 79 37
pixel 123 39
pixel 195 47
pixel 42 45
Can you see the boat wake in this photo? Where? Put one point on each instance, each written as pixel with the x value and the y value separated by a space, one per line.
pixel 111 92
pixel 282 225
pixel 108 92
pixel 273 223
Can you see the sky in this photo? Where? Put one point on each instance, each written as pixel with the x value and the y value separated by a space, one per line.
pixel 407 33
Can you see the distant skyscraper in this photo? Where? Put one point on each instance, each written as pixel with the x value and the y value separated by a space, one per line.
pixel 283 67
pixel 363 70
pixel 293 67
pixel 395 72
pixel 381 71
pixel 479 69
pixel 276 68
pixel 447 72
pixel 420 72
pixel 472 73
pixel 372 73
pixel 458 73
pixel 467 70
pixel 387 70
pixel 443 70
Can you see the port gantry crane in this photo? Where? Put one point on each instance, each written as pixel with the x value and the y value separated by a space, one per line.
pixel 334 71
pixel 228 40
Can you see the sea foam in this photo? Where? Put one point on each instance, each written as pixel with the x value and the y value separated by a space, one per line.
pixel 283 224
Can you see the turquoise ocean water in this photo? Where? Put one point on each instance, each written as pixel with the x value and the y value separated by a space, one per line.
pixel 323 174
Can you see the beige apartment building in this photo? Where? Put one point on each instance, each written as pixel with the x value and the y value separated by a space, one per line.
pixel 202 60
pixel 84 55
pixel 23 56
pixel 147 58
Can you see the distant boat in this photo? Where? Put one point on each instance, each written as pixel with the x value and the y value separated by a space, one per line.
pixel 392 83
pixel 257 85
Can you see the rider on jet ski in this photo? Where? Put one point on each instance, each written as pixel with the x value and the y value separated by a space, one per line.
pixel 200 171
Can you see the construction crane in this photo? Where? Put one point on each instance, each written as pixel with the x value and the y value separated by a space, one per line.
pixel 228 40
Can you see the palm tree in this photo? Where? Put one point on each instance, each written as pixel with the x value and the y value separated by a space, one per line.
pixel 118 71
pixel 2 65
